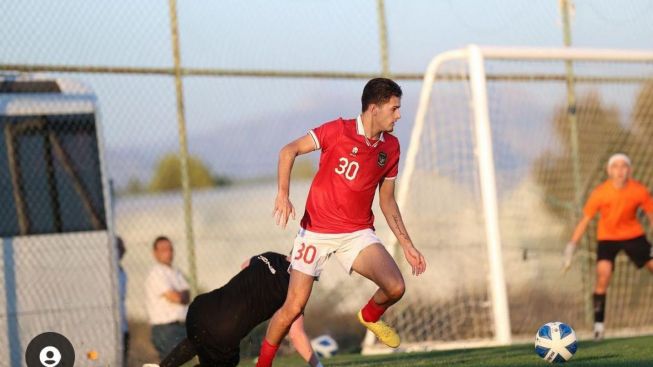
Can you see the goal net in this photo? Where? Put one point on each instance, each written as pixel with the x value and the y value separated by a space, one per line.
pixel 506 147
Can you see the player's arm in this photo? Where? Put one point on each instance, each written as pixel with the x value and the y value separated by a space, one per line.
pixel 647 207
pixel 301 342
pixel 245 264
pixel 392 215
pixel 158 286
pixel 580 229
pixel 180 297
pixel 572 245
pixel 650 218
pixel 283 208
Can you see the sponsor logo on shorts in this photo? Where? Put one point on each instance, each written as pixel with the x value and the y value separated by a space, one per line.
pixel 267 262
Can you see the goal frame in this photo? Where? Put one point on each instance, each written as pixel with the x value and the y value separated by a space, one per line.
pixel 475 56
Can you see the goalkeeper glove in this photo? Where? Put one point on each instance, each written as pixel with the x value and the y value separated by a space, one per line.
pixel 568 255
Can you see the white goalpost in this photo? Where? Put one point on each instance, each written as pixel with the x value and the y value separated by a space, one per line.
pixel 507 143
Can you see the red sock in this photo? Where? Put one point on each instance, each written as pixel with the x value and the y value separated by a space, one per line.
pixel 372 311
pixel 266 355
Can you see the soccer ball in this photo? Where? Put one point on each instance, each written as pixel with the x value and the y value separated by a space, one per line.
pixel 555 342
pixel 324 346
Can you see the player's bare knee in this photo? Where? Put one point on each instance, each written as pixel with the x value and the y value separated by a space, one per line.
pixel 649 265
pixel 396 290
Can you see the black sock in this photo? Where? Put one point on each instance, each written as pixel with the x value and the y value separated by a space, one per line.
pixel 599 307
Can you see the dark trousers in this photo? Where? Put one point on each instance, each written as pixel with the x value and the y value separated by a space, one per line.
pixel 165 337
pixel 125 348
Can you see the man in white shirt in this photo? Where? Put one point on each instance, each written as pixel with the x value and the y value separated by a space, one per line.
pixel 167 297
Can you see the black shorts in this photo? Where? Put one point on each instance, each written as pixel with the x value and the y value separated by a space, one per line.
pixel 213 353
pixel 638 250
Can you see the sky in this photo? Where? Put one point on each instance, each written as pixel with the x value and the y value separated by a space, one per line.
pixel 138 112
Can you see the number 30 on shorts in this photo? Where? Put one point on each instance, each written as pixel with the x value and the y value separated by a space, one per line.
pixel 306 253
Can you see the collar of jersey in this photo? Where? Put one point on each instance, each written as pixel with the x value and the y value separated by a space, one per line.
pixel 361 131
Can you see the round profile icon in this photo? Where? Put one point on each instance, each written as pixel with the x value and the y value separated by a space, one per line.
pixel 50 349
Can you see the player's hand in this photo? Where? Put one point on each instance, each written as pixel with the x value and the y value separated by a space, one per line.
pixel 415 259
pixel 283 209
pixel 568 255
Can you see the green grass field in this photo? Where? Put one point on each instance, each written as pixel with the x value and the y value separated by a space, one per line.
pixel 629 352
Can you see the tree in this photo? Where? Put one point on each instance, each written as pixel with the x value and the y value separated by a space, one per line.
pixel 134 186
pixel 600 134
pixel 220 180
pixel 641 140
pixel 167 175
pixel 643 112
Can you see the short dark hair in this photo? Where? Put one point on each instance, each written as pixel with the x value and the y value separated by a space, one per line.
pixel 378 91
pixel 159 239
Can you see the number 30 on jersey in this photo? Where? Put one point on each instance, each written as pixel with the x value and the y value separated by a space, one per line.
pixel 349 169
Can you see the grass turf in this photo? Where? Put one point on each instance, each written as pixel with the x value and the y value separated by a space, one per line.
pixel 627 352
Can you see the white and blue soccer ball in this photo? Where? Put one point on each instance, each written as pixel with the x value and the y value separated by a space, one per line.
pixel 555 342
pixel 325 346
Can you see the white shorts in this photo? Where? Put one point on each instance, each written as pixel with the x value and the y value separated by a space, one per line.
pixel 311 250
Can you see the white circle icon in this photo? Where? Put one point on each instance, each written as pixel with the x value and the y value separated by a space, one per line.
pixel 50 356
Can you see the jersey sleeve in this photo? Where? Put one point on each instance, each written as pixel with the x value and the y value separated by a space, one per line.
pixel 326 134
pixel 647 201
pixel 394 167
pixel 592 205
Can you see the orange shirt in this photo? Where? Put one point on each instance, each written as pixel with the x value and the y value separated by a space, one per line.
pixel 618 209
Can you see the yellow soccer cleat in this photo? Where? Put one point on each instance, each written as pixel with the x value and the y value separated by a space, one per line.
pixel 384 332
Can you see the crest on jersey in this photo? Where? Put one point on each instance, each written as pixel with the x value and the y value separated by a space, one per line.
pixel 382 159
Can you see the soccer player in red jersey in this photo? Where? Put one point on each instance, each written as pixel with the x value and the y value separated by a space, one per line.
pixel 617 201
pixel 358 156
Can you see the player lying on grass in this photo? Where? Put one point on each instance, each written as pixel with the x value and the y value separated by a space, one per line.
pixel 617 201
pixel 217 321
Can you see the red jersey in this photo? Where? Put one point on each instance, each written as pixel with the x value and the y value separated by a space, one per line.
pixel 351 168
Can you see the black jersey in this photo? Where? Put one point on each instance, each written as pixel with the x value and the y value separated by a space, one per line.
pixel 229 313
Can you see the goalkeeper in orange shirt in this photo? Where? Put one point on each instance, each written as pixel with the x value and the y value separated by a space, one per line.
pixel 617 201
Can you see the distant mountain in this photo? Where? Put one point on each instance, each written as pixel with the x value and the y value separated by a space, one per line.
pixel 243 149
pixel 249 148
